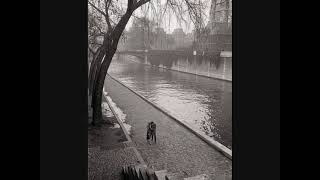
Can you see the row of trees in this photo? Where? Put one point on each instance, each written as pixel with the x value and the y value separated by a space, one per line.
pixel 146 34
pixel 140 34
pixel 107 20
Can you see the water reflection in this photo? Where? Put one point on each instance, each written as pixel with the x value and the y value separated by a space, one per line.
pixel 204 103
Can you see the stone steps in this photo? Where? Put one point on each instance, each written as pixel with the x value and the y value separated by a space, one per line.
pixel 161 175
pixel 141 172
pixel 199 177
pixel 173 176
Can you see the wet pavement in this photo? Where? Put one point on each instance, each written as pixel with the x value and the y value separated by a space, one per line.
pixel 204 103
pixel 107 164
pixel 108 133
pixel 177 150
pixel 108 149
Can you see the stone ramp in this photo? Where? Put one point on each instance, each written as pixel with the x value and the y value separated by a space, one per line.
pixel 177 149
pixel 144 173
pixel 109 149
pixel 107 164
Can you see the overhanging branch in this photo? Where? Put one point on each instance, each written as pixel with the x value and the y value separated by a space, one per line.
pixel 140 3
pixel 96 8
pixel 107 5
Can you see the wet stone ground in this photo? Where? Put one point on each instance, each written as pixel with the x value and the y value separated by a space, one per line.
pixel 106 150
pixel 107 164
pixel 108 133
pixel 177 150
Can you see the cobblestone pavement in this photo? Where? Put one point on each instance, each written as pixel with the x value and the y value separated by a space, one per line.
pixel 107 150
pixel 107 164
pixel 177 150
pixel 108 133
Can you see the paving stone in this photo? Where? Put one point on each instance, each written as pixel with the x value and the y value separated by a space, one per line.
pixel 160 175
pixel 173 176
pixel 199 177
pixel 177 149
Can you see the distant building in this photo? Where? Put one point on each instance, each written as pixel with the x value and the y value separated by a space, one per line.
pixel 220 21
pixel 136 37
pixel 189 39
pixel 159 39
pixel 179 37
pixel 217 35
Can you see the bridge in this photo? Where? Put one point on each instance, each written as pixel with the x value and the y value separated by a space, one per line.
pixel 165 53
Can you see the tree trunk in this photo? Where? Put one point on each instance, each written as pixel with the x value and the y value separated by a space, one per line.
pixel 93 67
pixel 105 55
pixel 91 71
pixel 96 102
pixel 109 48
pixel 96 71
pixel 98 90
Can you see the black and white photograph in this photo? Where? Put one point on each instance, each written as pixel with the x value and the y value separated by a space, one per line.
pixel 160 89
pixel 156 90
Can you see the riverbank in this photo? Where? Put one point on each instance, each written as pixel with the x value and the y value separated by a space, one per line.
pixel 177 149
pixel 110 147
pixel 204 103
pixel 215 144
pixel 205 69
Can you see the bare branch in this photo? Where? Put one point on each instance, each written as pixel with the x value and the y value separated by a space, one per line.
pixel 107 5
pixel 96 8
pixel 140 3
pixel 130 6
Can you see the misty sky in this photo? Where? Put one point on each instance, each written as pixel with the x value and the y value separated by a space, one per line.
pixel 169 22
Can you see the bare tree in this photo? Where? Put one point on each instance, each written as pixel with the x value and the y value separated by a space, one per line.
pixel 94 32
pixel 115 16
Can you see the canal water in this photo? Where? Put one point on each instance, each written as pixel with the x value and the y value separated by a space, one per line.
pixel 205 103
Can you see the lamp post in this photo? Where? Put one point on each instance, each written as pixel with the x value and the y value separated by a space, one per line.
pixel 146 56
pixel 195 59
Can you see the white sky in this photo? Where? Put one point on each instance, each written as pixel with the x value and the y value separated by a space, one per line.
pixel 170 23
